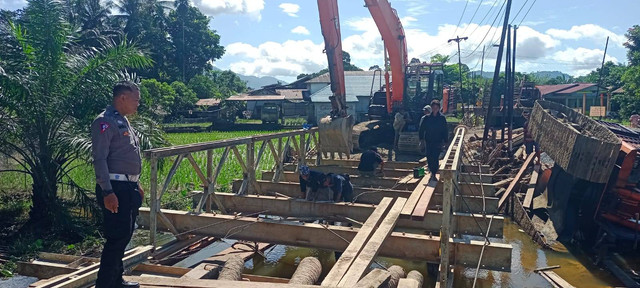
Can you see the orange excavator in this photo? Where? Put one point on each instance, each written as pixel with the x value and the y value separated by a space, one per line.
pixel 412 87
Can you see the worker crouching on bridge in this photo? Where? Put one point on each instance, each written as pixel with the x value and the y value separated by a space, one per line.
pixel 370 160
pixel 116 159
pixel 341 186
pixel 312 184
pixel 433 136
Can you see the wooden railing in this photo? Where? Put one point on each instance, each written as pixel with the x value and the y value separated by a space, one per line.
pixel 300 142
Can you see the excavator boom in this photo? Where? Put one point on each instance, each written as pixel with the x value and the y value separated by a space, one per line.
pixel 392 32
pixel 334 130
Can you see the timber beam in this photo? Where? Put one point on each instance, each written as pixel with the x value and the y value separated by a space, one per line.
pixel 378 182
pixel 388 172
pixel 471 204
pixel 360 212
pixel 414 246
pixel 387 164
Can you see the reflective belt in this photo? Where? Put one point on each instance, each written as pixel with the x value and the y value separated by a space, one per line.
pixel 124 177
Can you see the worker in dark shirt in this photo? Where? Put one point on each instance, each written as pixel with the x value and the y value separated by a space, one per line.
pixel 310 182
pixel 341 186
pixel 433 136
pixel 369 161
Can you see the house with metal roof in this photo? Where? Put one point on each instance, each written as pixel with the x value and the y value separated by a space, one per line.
pixel 257 98
pixel 359 86
pixel 578 96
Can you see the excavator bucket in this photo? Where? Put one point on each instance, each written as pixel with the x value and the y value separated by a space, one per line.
pixel 335 134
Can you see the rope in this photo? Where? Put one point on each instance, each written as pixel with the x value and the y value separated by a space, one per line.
pixel 221 222
pixel 325 226
pixel 475 278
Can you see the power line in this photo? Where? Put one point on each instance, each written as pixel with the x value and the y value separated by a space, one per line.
pixel 485 16
pixel 473 16
pixel 520 10
pixel 489 30
pixel 525 15
pixel 460 21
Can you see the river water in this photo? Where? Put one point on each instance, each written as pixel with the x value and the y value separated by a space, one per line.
pixel 575 266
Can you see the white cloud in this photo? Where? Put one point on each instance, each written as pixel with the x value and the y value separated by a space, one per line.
pixel 287 59
pixel 582 60
pixel 300 30
pixel 290 8
pixel 590 31
pixel 252 8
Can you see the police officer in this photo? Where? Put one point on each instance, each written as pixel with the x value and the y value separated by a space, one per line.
pixel 117 163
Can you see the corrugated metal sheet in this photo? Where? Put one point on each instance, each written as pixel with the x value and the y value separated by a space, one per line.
pixel 283 94
pixel 208 102
pixel 564 88
pixel 355 85
pixel 324 78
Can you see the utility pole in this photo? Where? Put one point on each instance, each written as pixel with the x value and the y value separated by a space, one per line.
pixel 496 76
pixel 600 76
pixel 507 84
pixel 458 39
pixel 513 79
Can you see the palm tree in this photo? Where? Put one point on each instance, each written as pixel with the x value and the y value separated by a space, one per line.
pixel 50 89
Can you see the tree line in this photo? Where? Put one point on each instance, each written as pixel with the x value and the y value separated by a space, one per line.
pixel 58 63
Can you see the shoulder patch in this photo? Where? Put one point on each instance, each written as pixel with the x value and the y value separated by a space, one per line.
pixel 104 126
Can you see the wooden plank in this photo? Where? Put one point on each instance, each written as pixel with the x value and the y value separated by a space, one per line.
pixel 160 269
pixel 376 278
pixel 555 280
pixel 345 261
pixel 414 246
pixel 387 164
pixel 189 148
pixel 89 274
pixel 249 204
pixel 356 180
pixel 415 197
pixel 476 169
pixel 266 279
pixel 353 170
pixel 472 189
pixel 374 196
pixel 475 178
pixel 42 270
pixel 62 258
pixel 422 206
pixel 224 255
pixel 528 199
pixel 203 270
pixel 515 181
pixel 200 283
pixel 372 247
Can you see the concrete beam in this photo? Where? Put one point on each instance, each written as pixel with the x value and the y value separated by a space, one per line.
pixel 375 195
pixel 359 212
pixel 377 182
pixel 413 246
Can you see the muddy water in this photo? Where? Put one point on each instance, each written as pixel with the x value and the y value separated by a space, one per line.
pixel 576 268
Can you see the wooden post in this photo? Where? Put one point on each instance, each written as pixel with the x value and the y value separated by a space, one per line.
pixel 155 202
pixel 445 231
pixel 251 170
pixel 584 103
pixel 232 269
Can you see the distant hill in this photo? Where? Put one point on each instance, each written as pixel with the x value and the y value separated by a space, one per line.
pixel 254 82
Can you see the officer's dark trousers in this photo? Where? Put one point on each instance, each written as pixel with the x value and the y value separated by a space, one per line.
pixel 118 229
pixel 433 154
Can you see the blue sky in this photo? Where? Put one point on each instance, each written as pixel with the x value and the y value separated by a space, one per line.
pixel 283 38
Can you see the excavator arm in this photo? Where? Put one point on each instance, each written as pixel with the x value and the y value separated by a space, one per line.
pixel 336 129
pixel 330 25
pixel 392 32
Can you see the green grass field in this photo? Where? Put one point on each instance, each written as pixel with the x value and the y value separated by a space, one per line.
pixel 185 179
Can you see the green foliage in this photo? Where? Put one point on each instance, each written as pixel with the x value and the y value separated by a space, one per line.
pixel 45 112
pixel 439 58
pixel 633 45
pixel 193 42
pixel 204 87
pixel 611 75
pixel 156 98
pixel 227 82
pixel 185 98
